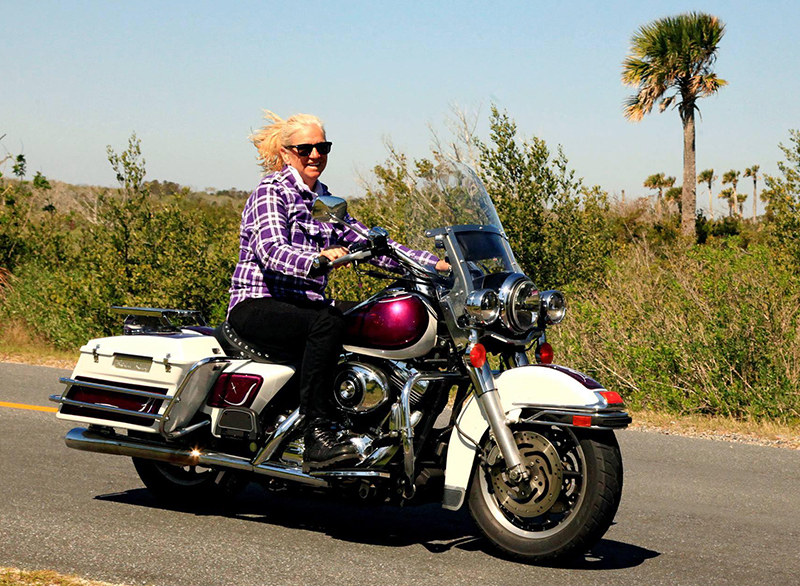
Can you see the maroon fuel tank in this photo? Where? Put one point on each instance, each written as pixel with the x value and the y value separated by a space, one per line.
pixel 398 325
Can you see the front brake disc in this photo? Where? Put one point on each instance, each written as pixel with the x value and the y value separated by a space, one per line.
pixel 537 495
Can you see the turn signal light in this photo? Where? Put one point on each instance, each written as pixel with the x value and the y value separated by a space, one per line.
pixel 545 353
pixel 477 356
pixel 612 397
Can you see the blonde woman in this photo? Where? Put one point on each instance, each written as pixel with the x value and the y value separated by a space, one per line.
pixel 277 299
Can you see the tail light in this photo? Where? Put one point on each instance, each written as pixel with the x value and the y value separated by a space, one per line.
pixel 235 390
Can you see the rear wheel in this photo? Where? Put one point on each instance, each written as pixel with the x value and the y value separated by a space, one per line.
pixel 189 485
pixel 566 506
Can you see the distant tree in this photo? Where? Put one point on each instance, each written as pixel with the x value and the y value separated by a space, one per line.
pixel 708 178
pixel 732 177
pixel 673 197
pixel 782 195
pixel 675 53
pixel 659 182
pixel 729 195
pixel 753 172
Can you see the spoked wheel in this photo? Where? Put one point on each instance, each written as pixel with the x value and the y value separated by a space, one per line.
pixel 567 505
pixel 189 485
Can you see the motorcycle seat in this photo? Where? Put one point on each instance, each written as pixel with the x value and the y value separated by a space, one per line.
pixel 237 347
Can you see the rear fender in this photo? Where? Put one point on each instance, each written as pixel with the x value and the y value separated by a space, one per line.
pixel 537 388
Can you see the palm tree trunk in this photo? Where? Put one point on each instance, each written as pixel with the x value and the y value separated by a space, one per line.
pixel 755 200
pixel 689 195
pixel 710 201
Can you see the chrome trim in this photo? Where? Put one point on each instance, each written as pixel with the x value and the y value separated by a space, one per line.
pixel 176 398
pixel 483 306
pixel 279 435
pixel 403 421
pixel 351 474
pixel 113 389
pixel 86 440
pixel 545 298
pixel 109 408
pixel 516 341
pixel 191 428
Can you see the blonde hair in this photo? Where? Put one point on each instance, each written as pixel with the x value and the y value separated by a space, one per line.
pixel 270 138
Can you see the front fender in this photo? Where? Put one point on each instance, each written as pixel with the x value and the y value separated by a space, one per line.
pixel 537 386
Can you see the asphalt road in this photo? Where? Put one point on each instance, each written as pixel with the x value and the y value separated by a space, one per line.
pixel 694 511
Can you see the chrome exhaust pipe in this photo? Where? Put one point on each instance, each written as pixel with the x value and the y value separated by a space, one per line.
pixel 87 440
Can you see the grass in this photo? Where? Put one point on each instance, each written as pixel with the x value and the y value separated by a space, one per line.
pixel 15 577
pixel 18 345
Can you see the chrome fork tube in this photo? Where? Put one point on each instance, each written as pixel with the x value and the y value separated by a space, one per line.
pixel 492 410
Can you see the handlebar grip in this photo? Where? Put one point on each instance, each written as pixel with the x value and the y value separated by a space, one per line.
pixel 348 258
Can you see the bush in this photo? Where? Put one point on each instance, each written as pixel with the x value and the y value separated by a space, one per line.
pixel 711 329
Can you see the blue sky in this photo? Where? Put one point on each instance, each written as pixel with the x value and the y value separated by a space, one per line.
pixel 191 78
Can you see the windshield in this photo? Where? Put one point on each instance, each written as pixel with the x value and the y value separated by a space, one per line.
pixel 449 194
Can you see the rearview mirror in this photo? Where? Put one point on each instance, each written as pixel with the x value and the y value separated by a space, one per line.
pixel 328 208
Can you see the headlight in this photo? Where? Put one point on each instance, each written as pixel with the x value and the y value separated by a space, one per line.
pixel 554 306
pixel 483 306
pixel 519 303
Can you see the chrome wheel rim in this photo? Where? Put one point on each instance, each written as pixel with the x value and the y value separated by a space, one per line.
pixel 553 495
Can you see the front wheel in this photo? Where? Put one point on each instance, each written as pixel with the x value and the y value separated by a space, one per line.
pixel 567 505
pixel 189 485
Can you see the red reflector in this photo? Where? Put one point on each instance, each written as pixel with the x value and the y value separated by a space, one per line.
pixel 477 356
pixel 612 397
pixel 582 420
pixel 545 353
pixel 235 390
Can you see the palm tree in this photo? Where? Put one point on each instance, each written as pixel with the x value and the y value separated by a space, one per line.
pixel 708 178
pixel 732 177
pixel 753 172
pixel 728 195
pixel 675 53
pixel 659 181
pixel 673 196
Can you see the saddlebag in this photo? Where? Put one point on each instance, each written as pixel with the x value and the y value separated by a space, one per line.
pixel 151 383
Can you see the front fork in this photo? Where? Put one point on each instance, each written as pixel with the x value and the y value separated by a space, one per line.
pixel 492 409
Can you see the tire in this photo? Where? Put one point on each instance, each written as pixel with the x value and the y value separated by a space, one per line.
pixel 569 509
pixel 190 486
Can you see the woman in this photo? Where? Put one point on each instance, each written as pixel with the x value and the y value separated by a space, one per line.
pixel 277 299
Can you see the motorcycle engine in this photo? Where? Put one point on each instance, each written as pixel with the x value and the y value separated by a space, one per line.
pixel 361 388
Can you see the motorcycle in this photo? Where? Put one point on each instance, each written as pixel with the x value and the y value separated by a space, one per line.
pixel 435 388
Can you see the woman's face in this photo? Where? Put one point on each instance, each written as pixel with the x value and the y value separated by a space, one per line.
pixel 312 166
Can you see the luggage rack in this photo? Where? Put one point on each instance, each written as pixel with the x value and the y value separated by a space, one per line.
pixel 180 407
pixel 152 320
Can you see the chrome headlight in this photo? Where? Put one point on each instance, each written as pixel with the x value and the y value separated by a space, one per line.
pixel 519 303
pixel 554 306
pixel 483 306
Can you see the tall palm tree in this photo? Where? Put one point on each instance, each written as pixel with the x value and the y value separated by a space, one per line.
pixel 675 53
pixel 753 172
pixel 708 178
pixel 732 177
pixel 729 195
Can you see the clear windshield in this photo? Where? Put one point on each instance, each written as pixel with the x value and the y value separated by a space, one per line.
pixel 452 195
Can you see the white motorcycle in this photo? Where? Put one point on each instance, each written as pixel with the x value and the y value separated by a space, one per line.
pixel 434 385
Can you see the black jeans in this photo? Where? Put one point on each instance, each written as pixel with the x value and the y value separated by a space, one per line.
pixel 311 332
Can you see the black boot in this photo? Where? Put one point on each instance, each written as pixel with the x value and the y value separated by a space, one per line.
pixel 323 448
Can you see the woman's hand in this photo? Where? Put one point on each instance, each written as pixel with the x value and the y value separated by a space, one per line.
pixel 443 266
pixel 334 252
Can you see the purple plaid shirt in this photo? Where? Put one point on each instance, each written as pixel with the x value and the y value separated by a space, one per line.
pixel 279 241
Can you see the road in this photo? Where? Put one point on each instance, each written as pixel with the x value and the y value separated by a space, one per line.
pixel 694 511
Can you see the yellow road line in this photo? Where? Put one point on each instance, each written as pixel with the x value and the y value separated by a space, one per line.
pixel 31 407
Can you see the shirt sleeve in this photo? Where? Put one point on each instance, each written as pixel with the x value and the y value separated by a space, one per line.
pixel 421 256
pixel 270 240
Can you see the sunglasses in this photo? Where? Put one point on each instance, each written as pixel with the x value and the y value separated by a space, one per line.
pixel 304 150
